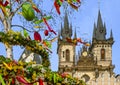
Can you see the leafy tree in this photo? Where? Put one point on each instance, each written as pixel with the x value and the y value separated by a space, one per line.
pixel 35 17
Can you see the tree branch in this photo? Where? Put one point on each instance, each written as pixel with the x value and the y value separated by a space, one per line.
pixel 1 18
pixel 21 27
pixel 13 13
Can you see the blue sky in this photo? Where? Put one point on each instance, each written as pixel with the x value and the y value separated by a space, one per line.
pixel 83 21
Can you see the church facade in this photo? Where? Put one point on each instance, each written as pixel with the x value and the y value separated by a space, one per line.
pixel 94 65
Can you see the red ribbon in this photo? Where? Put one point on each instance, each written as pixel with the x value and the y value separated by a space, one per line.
pixel 22 80
pixel 36 9
pixel 57 6
pixel 49 28
pixel 41 82
pixel 5 4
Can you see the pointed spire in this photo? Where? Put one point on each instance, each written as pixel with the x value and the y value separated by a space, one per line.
pixel 100 33
pixel 111 34
pixel 94 31
pixel 75 35
pixel 105 27
pixel 70 30
pixel 59 34
pixel 66 22
pixel 99 22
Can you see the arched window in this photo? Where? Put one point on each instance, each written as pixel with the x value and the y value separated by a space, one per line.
pixel 102 54
pixel 67 55
pixel 85 78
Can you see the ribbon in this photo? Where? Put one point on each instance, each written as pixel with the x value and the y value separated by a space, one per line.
pixel 2 6
pixel 36 9
pixel 22 80
pixel 5 4
pixel 57 6
pixel 41 82
pixel 49 28
pixel 8 67
pixel 75 41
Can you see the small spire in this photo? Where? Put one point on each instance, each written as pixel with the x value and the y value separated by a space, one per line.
pixel 94 31
pixel 70 29
pixel 111 34
pixel 59 34
pixel 75 35
pixel 105 27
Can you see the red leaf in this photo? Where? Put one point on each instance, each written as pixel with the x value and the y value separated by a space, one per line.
pixel 22 80
pixel 5 4
pixel 57 6
pixel 74 6
pixel 69 40
pixel 13 81
pixel 79 40
pixel 78 1
pixel 37 36
pixel 41 82
pixel 46 32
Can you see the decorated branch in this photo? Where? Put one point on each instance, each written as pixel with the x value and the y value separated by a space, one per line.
pixel 13 72
pixel 16 38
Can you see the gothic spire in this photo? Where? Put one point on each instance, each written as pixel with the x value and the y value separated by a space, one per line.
pixel 66 22
pixel 100 32
pixel 66 31
pixel 99 21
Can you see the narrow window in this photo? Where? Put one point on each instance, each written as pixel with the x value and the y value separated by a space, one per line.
pixel 63 54
pixel 103 54
pixel 67 55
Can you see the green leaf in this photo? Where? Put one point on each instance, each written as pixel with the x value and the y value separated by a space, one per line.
pixel 25 33
pixel 1 79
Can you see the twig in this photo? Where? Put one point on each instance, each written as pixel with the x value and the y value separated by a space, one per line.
pixel 1 17
pixel 12 14
pixel 21 27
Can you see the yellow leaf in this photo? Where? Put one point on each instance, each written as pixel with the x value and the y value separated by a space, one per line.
pixel 8 67
pixel 38 27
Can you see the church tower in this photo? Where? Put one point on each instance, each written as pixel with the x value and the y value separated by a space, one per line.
pixel 102 47
pixel 94 63
pixel 66 50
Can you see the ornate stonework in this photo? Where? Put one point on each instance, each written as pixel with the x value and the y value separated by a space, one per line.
pixel 94 65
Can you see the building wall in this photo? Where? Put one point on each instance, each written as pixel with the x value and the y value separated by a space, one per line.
pixel 80 74
pixel 104 79
pixel 108 54
pixel 62 59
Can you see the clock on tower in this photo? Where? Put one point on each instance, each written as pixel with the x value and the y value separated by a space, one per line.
pixel 84 53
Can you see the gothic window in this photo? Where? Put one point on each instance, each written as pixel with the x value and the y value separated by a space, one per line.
pixel 63 54
pixel 102 54
pixel 67 55
pixel 85 78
